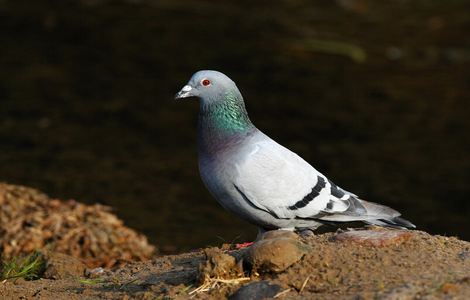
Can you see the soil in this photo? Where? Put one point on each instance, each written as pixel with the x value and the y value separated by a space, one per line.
pixel 30 220
pixel 372 263
pixel 418 265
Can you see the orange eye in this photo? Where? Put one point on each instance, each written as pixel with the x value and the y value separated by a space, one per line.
pixel 206 82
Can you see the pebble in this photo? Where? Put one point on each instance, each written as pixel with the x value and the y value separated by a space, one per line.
pixel 256 290
pixel 218 265
pixel 61 266
pixel 276 251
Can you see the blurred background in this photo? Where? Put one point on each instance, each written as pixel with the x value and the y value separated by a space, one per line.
pixel 375 94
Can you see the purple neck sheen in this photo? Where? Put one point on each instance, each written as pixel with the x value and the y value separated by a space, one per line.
pixel 223 125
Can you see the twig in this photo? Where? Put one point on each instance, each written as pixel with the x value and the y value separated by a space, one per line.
pixel 127 283
pixel 232 281
pixel 282 293
pixel 210 283
pixel 304 284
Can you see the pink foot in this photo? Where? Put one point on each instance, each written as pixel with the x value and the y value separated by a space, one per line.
pixel 243 245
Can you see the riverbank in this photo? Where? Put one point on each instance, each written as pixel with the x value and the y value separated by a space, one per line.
pixel 424 266
pixel 357 264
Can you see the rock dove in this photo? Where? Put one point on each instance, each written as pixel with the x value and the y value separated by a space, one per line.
pixel 261 181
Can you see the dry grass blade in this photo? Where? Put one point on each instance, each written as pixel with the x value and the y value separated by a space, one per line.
pixel 304 284
pixel 282 293
pixel 126 284
pixel 211 283
pixel 232 281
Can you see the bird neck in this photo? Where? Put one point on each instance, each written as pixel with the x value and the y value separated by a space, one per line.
pixel 223 123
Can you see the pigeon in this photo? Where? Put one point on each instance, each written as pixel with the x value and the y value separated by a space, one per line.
pixel 261 181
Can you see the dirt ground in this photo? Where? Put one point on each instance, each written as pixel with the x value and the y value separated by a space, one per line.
pixel 30 220
pixel 418 267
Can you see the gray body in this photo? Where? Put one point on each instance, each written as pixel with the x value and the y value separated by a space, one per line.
pixel 219 175
pixel 259 180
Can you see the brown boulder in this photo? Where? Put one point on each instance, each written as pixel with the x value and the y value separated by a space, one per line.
pixel 276 251
pixel 61 266
pixel 218 265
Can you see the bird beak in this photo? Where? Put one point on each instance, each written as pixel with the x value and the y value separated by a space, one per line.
pixel 184 93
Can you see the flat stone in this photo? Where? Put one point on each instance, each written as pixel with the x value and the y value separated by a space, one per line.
pixel 274 234
pixel 61 266
pixel 374 238
pixel 218 265
pixel 256 290
pixel 275 254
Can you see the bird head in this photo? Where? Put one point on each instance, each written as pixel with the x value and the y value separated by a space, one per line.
pixel 209 86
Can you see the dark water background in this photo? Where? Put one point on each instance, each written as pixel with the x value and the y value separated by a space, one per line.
pixel 375 94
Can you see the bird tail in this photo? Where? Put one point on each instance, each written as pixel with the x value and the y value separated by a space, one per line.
pixel 384 216
pixel 370 213
pixel 396 222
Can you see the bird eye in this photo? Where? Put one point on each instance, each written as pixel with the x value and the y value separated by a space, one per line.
pixel 205 82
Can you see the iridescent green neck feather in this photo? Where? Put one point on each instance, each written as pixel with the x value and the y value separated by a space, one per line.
pixel 222 122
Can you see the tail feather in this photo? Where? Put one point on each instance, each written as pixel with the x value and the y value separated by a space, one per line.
pixel 399 221
pixel 370 213
pixel 396 222
pixel 386 216
pixel 379 211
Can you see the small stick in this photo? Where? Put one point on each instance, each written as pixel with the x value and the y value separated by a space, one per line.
pixel 213 282
pixel 304 284
pixel 232 281
pixel 282 293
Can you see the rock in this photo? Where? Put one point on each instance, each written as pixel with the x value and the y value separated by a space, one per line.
pixel 218 265
pixel 276 251
pixel 94 273
pixel 256 290
pixel 374 238
pixel 464 255
pixel 274 234
pixel 61 266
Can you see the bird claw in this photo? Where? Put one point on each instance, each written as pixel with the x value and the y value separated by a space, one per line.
pixel 243 245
